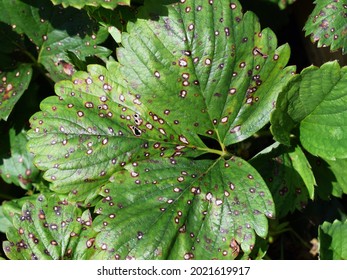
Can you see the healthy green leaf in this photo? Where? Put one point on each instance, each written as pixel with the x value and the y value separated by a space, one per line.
pixel 18 168
pixel 12 86
pixel 183 209
pixel 110 4
pixel 332 236
pixel 50 228
pixel 315 101
pixel 54 31
pixel 288 175
pixel 327 24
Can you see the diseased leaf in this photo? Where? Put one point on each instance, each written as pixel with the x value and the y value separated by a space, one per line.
pixel 288 175
pixel 50 228
pixel 332 245
pixel 96 127
pixel 136 129
pixel 327 24
pixel 17 167
pixel 54 31
pixel 183 209
pixel 315 102
pixel 109 4
pixel 216 58
pixel 12 86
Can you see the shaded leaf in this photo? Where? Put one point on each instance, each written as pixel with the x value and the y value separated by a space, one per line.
pixel 183 209
pixel 111 4
pixel 327 24
pixel 332 237
pixel 50 228
pixel 54 31
pixel 330 176
pixel 12 86
pixel 288 175
pixel 18 167
pixel 283 3
pixel 315 102
pixel 11 42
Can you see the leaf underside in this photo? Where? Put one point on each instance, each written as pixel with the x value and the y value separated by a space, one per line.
pixel 132 133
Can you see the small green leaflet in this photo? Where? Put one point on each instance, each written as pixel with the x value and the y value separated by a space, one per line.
pixel 12 86
pixel 327 24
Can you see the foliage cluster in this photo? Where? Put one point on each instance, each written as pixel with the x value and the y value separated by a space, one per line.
pixel 171 130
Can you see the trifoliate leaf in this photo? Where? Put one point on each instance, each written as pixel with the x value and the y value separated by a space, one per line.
pixel 188 71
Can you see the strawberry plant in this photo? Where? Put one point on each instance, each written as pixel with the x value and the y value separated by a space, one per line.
pixel 170 130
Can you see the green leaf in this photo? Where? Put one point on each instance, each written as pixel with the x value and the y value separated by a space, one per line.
pixel 314 101
pixel 330 176
pixel 54 31
pixel 192 71
pixel 111 4
pixel 332 245
pixel 50 227
pixel 18 168
pixel 327 24
pixel 288 175
pixel 183 209
pixel 12 86
pixel 211 56
pixel 95 131
pixel 4 222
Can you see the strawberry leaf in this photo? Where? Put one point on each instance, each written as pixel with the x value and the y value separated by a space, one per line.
pixel 135 131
